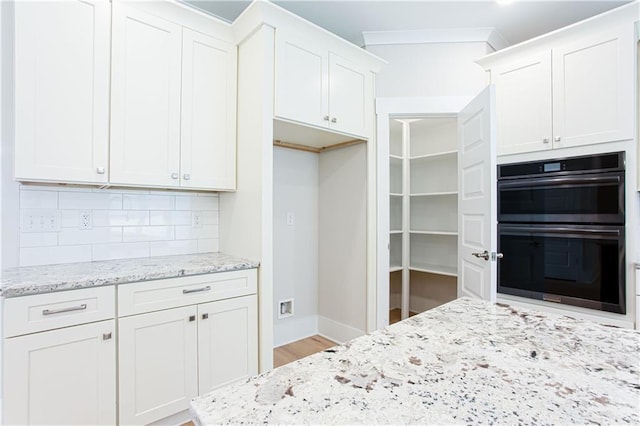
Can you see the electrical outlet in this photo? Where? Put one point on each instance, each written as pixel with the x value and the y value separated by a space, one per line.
pixel 86 220
pixel 40 221
pixel 290 218
pixel 196 220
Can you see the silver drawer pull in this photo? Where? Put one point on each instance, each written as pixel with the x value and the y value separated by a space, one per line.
pixel 59 311
pixel 196 290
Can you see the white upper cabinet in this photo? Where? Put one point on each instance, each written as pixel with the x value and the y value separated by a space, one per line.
pixel 593 90
pixel 319 87
pixel 62 91
pixel 208 154
pixel 574 90
pixel 145 108
pixel 523 103
pixel 173 104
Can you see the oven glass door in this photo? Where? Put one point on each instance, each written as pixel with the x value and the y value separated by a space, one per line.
pixel 587 198
pixel 570 264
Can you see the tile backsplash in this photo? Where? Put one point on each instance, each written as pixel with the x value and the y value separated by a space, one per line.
pixel 118 224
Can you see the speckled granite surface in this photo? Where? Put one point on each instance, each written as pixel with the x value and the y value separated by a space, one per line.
pixel 44 279
pixel 465 362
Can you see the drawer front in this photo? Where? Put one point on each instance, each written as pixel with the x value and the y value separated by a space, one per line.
pixel 148 296
pixel 30 314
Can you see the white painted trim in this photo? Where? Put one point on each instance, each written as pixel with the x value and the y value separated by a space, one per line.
pixel 293 329
pixel 336 331
pixel 421 106
pixel 443 35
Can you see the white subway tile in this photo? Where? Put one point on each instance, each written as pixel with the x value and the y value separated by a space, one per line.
pixel 191 233
pixel 148 202
pixel 49 255
pixel 210 218
pixel 38 239
pixel 166 248
pixel 147 233
pixel 208 245
pixel 69 218
pixel 197 202
pixel 90 201
pixel 120 218
pixel 120 251
pixel 70 236
pixel 38 200
pixel 170 217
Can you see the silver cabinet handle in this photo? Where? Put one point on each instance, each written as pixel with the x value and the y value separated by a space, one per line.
pixel 545 140
pixel 205 316
pixel 175 176
pixel 499 255
pixel 100 170
pixel 192 318
pixel 196 290
pixel 186 176
pixel 59 311
pixel 334 120
pixel 325 118
pixel 106 336
pixel 557 139
pixel 484 255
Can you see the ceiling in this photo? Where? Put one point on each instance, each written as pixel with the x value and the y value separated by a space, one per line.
pixel 515 22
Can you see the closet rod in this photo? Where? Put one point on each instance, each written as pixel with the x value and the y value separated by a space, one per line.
pixel 314 149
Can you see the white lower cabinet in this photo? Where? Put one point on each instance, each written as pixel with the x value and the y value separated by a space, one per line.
pixel 170 355
pixel 158 364
pixel 61 377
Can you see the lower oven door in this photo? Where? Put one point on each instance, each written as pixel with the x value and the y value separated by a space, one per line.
pixel 576 265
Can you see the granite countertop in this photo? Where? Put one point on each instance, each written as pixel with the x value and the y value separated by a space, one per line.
pixel 48 278
pixel 468 361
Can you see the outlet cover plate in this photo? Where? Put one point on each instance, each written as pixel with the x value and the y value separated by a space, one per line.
pixel 40 221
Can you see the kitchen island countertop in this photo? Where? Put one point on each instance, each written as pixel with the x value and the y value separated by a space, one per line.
pixel 29 280
pixel 468 361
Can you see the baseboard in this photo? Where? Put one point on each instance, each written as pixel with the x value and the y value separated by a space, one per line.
pixel 294 328
pixel 336 331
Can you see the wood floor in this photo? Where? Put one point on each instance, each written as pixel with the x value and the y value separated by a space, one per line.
pixel 293 351
pixel 394 315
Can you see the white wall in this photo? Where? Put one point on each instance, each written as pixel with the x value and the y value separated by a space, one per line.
pixel 430 69
pixel 125 224
pixel 342 262
pixel 295 247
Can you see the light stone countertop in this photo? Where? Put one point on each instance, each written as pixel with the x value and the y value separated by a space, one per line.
pixel 49 278
pixel 465 362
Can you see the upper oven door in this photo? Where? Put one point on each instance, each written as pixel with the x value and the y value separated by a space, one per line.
pixel 580 198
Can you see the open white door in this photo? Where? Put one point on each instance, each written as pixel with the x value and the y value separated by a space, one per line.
pixel 477 218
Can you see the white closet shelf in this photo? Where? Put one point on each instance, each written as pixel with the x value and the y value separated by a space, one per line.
pixel 396 194
pixel 435 155
pixel 447 233
pixel 397 157
pixel 395 268
pixel 433 194
pixel 395 231
pixel 434 269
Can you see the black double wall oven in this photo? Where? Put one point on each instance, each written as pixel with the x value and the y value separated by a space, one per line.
pixel 561 229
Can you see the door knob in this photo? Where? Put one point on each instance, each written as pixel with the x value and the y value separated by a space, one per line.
pixel 174 176
pixel 484 255
pixel 186 176
pixel 334 120
pixel 557 138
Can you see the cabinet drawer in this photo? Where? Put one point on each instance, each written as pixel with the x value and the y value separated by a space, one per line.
pixel 148 296
pixel 30 314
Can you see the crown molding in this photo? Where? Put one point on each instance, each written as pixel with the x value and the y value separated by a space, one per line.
pixel 453 35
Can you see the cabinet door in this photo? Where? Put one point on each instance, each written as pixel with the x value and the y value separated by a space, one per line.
pixel 523 104
pixel 62 91
pixel 301 86
pixel 350 96
pixel 65 376
pixel 157 364
pixel 593 90
pixel 227 341
pixel 145 108
pixel 208 143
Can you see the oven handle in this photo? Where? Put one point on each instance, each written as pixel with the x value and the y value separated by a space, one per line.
pixel 568 180
pixel 560 230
